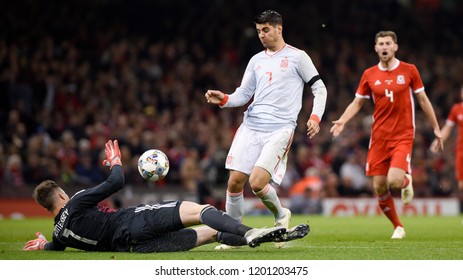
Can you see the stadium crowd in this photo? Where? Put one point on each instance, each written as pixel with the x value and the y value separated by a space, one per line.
pixel 75 74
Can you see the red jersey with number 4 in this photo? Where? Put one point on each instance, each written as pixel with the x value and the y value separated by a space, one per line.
pixel 392 93
pixel 456 117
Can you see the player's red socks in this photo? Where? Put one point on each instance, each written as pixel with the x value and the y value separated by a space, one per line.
pixel 386 204
pixel 406 182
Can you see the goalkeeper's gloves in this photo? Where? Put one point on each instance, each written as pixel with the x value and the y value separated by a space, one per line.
pixel 36 244
pixel 113 154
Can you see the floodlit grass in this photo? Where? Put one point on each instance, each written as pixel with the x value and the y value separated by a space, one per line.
pixel 349 238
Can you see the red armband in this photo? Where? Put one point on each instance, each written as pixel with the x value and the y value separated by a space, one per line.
pixel 315 118
pixel 224 100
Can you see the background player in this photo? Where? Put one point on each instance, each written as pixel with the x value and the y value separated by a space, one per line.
pixel 275 78
pixel 391 84
pixel 455 117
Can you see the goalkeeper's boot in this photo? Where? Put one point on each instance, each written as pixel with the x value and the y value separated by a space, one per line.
pixel 283 222
pixel 407 191
pixel 399 233
pixel 296 232
pixel 254 237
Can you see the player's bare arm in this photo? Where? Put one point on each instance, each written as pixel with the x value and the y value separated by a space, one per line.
pixel 214 96
pixel 428 110
pixel 349 113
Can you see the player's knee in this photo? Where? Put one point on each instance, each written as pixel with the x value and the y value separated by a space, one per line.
pixel 395 183
pixel 206 208
pixel 235 185
pixel 258 183
pixel 256 186
pixel 381 189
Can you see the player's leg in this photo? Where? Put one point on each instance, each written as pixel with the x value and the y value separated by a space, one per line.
pixel 378 166
pixel 234 204
pixel 385 200
pixel 399 175
pixel 386 203
pixel 231 232
pixel 270 199
pixel 271 167
pixel 191 213
pixel 170 241
pixel 260 184
pixel 256 236
pixel 205 235
pixel 184 240
pixel 240 161
pixel 158 228
pixel 397 178
pixel 459 175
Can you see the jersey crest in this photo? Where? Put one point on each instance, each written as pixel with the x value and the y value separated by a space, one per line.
pixel 400 79
pixel 284 63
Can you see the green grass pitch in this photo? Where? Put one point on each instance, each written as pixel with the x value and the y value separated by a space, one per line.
pixel 331 238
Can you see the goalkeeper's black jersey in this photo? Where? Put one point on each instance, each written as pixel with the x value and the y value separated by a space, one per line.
pixel 83 224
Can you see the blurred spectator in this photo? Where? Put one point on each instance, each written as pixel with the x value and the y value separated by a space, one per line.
pixel 66 152
pixel 14 182
pixel 331 185
pixel 306 203
pixel 192 179
pixel 306 194
pixel 87 171
pixel 33 169
pixel 353 181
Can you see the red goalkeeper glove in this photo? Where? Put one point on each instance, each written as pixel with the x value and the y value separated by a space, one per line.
pixel 36 244
pixel 113 154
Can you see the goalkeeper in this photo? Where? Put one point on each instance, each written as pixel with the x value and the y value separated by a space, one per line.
pixel 163 227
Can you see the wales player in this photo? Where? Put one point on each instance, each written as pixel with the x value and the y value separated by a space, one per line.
pixel 393 85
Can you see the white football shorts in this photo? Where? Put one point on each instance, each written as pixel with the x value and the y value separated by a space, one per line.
pixel 268 150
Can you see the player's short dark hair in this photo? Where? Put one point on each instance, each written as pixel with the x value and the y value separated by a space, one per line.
pixel 269 16
pixel 386 34
pixel 45 193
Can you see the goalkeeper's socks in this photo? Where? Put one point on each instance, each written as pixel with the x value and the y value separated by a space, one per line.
pixel 220 221
pixel 231 239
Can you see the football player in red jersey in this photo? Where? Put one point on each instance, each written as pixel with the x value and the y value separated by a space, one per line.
pixel 391 84
pixel 455 117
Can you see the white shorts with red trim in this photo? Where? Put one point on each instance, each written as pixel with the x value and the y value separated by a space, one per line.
pixel 268 150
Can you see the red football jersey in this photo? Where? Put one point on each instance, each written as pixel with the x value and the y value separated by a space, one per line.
pixel 392 93
pixel 456 117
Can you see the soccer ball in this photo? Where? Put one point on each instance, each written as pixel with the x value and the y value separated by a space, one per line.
pixel 153 165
